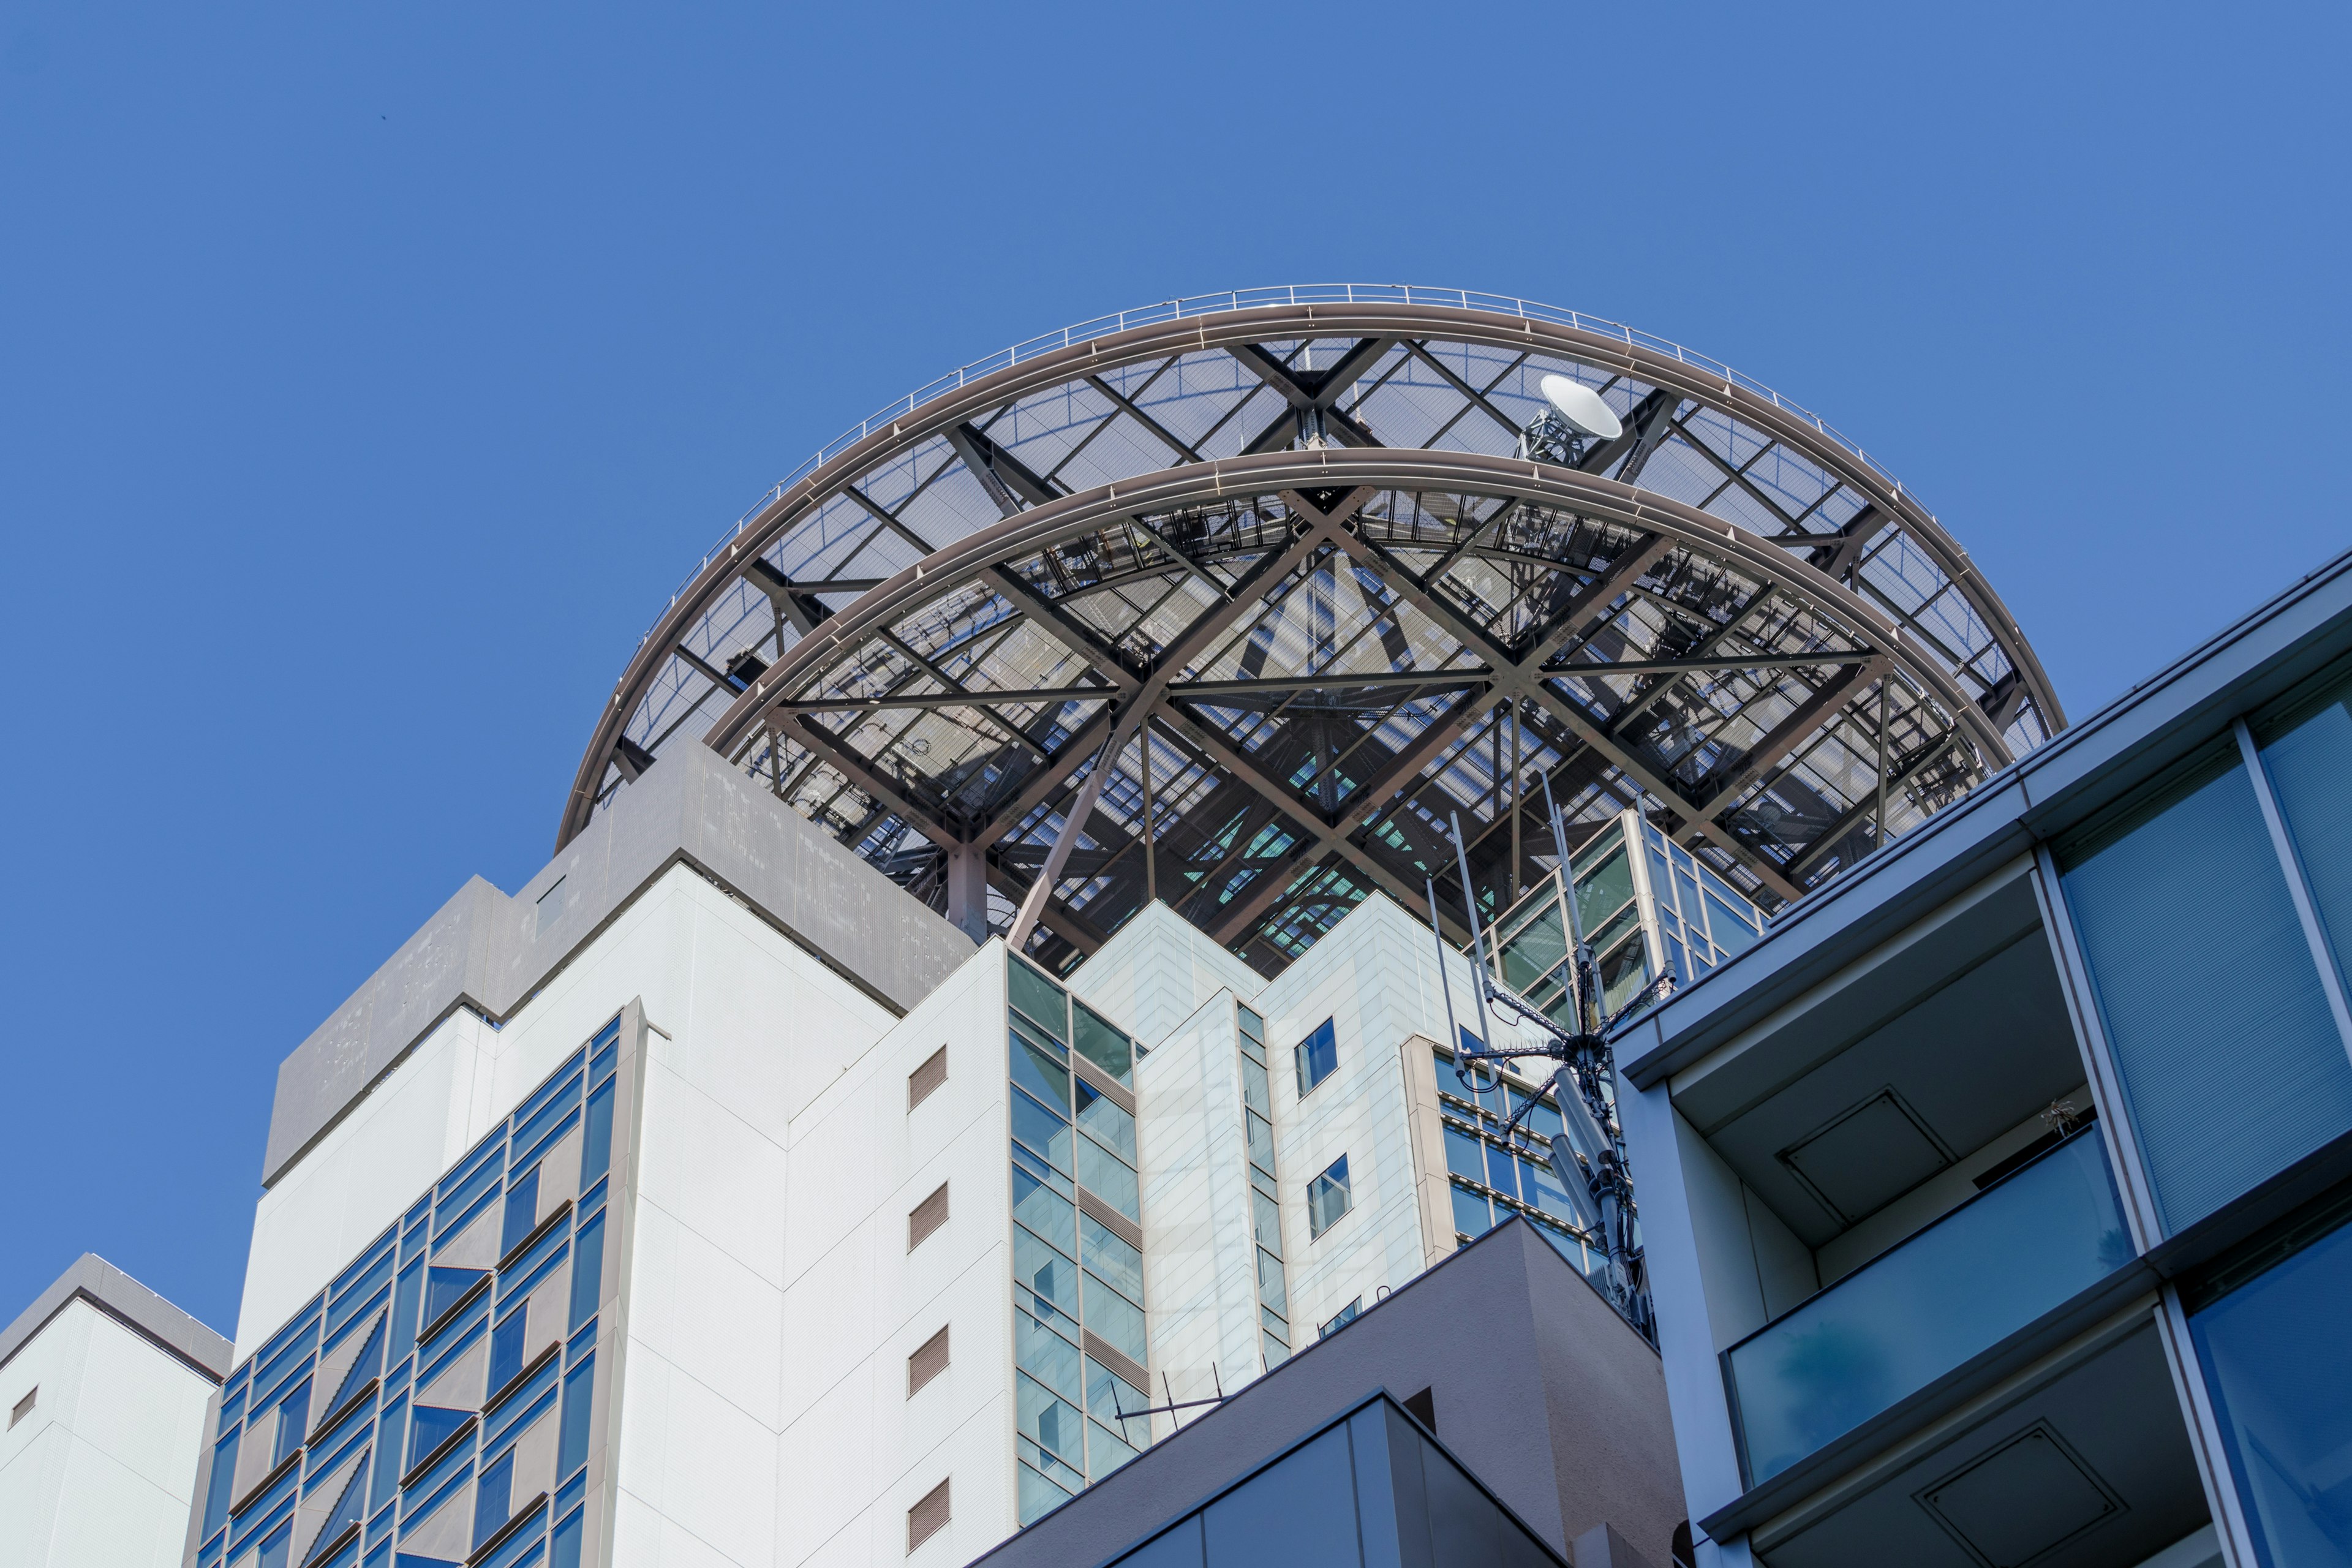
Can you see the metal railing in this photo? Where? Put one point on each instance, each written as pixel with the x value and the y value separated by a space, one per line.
pixel 1246 299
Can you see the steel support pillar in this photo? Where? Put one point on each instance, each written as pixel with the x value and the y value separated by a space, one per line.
pixel 967 908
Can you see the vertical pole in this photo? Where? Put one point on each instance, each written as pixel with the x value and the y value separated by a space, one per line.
pixel 1878 838
pixel 1150 859
pixel 1515 800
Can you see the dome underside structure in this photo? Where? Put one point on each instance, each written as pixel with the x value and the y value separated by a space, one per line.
pixel 1263 591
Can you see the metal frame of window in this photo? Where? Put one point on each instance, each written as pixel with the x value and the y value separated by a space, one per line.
pixel 1473 1119
pixel 1249 1029
pixel 983 640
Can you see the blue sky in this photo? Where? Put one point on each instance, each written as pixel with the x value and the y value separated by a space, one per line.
pixel 370 375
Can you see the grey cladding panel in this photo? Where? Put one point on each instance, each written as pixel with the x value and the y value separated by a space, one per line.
pixel 491 953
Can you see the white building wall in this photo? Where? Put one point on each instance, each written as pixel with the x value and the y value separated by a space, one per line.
pixel 1200 1273
pixel 856 1451
pixel 1156 971
pixel 1375 976
pixel 100 1470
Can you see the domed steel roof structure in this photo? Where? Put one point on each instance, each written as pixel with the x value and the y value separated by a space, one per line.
pixel 1233 601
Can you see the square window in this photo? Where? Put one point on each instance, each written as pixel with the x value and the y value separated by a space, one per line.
pixel 1341 1318
pixel 1318 1057
pixel 1329 1197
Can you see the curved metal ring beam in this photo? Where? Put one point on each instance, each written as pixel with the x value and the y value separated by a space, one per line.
pixel 1237 333
pixel 1122 693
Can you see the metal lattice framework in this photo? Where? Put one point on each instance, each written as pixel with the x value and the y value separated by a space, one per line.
pixel 1233 607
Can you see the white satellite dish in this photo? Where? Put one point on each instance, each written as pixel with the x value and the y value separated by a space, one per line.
pixel 1581 407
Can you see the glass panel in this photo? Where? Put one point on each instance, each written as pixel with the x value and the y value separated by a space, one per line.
pixel 587 1272
pixel 1318 1057
pixel 1731 932
pixel 1050 1276
pixel 293 1420
pixel 1108 1393
pixel 1112 1127
pixel 1108 1452
pixel 1537 950
pixel 1043 1171
pixel 2277 1354
pixel 1105 1047
pixel 1261 1142
pixel 1256 1092
pixel 564 1551
pixel 492 1496
pixel 1275 1351
pixel 218 1491
pixel 1044 1132
pixel 1039 1496
pixel 1044 1211
pixel 2012 1253
pixel 1117 1321
pixel 1102 1174
pixel 1502 1172
pixel 1265 1221
pixel 2186 891
pixel 579 1392
pixel 1045 1355
pixel 596 1147
pixel 1623 972
pixel 1605 889
pixel 1328 1198
pixel 1120 1265
pixel 389 1427
pixel 1542 1189
pixel 2308 762
pixel 506 1347
pixel 1465 1155
pixel 1041 1075
pixel 522 1211
pixel 1038 996
pixel 1270 1289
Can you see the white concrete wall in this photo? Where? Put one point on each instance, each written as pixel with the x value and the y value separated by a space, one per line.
pixel 99 1472
pixel 1156 971
pixel 855 1451
pixel 706 967
pixel 1199 1262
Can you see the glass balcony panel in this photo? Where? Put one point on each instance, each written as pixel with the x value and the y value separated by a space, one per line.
pixel 2193 946
pixel 2014 1252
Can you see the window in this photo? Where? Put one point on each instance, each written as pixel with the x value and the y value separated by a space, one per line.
pixel 1319 1057
pixel 25 1405
pixel 926 1078
pixel 2184 882
pixel 929 1359
pixel 928 1516
pixel 551 906
pixel 927 1217
pixel 2272 1351
pixel 1328 1198
pixel 1341 1318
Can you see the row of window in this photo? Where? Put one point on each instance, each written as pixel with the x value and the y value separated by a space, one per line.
pixel 1077 1281
pixel 1266 1206
pixel 1491 1178
pixel 461 1340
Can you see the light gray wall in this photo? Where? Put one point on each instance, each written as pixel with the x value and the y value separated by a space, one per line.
pixel 486 951
pixel 93 1280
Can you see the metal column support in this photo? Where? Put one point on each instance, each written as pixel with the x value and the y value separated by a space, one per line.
pixel 967 908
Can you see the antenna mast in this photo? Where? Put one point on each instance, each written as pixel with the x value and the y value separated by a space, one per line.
pixel 1589 1158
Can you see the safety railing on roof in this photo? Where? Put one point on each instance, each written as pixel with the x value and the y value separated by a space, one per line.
pixel 1248 300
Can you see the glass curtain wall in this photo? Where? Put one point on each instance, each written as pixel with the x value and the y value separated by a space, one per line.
pixel 1266 1207
pixel 1077 1282
pixel 386 1426
pixel 1491 1179
pixel 1647 913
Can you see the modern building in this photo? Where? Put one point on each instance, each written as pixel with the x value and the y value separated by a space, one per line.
pixel 1995 1202
pixel 983 991
pixel 105 1385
